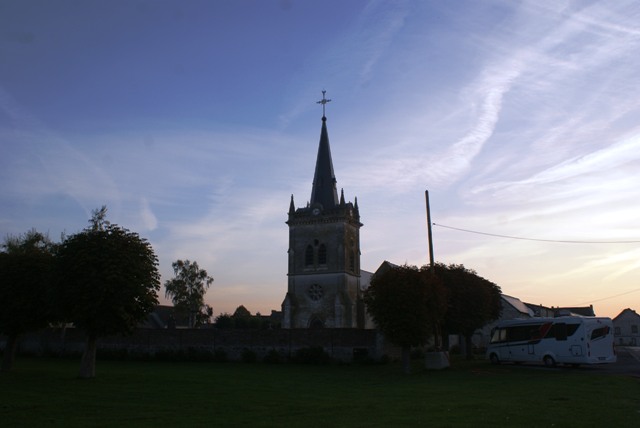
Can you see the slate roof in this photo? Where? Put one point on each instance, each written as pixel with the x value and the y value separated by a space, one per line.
pixel 324 191
pixel 625 312
pixel 518 305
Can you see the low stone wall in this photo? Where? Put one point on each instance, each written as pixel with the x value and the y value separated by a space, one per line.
pixel 339 344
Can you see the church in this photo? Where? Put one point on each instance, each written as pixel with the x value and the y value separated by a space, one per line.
pixel 325 282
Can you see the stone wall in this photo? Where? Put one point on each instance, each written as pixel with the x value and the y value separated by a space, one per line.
pixel 339 344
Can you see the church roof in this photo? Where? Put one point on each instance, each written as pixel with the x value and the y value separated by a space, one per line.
pixel 324 191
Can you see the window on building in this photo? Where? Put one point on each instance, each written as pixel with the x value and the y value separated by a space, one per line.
pixel 634 329
pixel 617 331
pixel 308 256
pixel 322 254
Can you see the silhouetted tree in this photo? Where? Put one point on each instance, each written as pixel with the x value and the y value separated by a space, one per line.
pixel 26 264
pixel 406 303
pixel 472 301
pixel 242 318
pixel 187 291
pixel 224 321
pixel 107 282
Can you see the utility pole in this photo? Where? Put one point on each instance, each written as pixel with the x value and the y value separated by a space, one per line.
pixel 432 265
pixel 434 360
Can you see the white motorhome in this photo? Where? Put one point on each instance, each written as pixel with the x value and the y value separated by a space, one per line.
pixel 566 340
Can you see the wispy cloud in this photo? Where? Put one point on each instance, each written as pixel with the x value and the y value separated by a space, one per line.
pixel 148 218
pixel 379 24
pixel 520 118
pixel 350 62
pixel 622 156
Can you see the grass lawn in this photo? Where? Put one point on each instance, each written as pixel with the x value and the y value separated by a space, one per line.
pixel 46 392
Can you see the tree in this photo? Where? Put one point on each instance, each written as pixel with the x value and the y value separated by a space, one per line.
pixel 187 291
pixel 224 321
pixel 406 303
pixel 242 319
pixel 472 301
pixel 26 264
pixel 107 282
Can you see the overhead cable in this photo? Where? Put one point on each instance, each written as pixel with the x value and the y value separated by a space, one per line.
pixel 612 297
pixel 562 241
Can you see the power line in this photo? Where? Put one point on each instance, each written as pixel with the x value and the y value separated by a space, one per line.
pixel 551 240
pixel 612 297
pixel 535 239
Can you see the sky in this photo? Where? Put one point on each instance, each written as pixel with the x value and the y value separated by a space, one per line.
pixel 195 121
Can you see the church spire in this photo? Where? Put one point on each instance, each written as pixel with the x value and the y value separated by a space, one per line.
pixel 324 190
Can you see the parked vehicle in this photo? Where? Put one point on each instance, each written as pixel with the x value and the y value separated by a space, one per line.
pixel 565 340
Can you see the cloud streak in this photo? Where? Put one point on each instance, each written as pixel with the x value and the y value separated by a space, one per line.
pixel 519 118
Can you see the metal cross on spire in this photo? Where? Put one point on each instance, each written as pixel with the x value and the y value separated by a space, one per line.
pixel 324 102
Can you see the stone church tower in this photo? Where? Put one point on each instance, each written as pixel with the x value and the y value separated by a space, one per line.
pixel 324 254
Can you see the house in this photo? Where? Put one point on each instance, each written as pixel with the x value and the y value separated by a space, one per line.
pixel 625 328
pixel 583 311
pixel 512 308
pixel 541 311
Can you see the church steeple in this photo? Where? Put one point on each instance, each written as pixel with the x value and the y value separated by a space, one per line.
pixel 324 275
pixel 324 190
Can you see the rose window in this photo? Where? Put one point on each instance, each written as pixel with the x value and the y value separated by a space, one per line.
pixel 316 292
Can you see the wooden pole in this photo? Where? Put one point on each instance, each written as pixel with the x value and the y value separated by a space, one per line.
pixel 432 265
pixel 431 261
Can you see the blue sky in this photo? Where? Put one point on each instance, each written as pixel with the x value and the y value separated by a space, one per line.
pixel 195 121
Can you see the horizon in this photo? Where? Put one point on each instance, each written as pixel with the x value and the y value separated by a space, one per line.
pixel 195 122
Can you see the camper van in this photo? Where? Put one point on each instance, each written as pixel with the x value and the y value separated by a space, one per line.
pixel 564 340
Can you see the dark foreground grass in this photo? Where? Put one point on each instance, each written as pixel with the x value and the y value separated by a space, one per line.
pixel 45 392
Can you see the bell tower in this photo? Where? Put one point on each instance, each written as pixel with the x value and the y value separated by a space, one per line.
pixel 324 252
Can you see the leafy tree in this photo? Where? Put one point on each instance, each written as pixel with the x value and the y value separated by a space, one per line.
pixel 187 291
pixel 107 282
pixel 472 301
pixel 242 318
pixel 26 264
pixel 224 321
pixel 406 303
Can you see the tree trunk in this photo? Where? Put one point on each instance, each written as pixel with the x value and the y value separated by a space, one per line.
pixel 88 362
pixel 445 340
pixel 406 359
pixel 9 352
pixel 468 346
pixel 437 337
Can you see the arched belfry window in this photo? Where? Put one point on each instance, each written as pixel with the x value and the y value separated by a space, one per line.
pixel 315 255
pixel 308 256
pixel 322 254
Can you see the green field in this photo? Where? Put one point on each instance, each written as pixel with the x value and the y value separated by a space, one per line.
pixel 46 392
